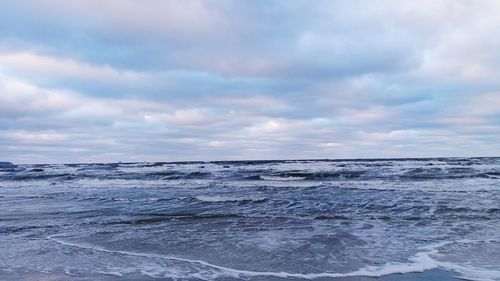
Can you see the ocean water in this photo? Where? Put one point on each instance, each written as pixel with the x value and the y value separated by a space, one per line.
pixel 251 220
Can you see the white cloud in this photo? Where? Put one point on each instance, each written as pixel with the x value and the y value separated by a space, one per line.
pixel 29 63
pixel 19 96
pixel 185 117
pixel 33 136
pixel 256 102
pixel 329 145
pixel 25 99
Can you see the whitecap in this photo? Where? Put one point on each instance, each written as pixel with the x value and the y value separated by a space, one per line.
pixel 220 199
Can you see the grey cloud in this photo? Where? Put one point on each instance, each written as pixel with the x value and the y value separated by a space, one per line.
pixel 210 80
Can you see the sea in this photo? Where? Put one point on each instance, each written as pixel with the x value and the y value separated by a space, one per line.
pixel 367 219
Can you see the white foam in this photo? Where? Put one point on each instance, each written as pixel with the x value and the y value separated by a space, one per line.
pixel 471 272
pixel 468 271
pixel 218 198
pixel 67 271
pixel 420 262
pixel 112 273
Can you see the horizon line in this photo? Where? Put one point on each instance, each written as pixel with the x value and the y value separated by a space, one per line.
pixel 270 160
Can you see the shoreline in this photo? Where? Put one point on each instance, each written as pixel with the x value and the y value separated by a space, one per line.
pixel 428 275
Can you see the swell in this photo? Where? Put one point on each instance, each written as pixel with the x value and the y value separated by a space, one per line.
pixel 228 199
pixel 38 174
pixel 104 172
pixel 416 174
pixel 158 218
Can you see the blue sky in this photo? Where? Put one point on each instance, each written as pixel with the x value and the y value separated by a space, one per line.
pixel 211 80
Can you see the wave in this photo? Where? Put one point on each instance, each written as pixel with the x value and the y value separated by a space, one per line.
pixel 41 176
pixel 221 199
pixel 420 262
pixel 448 173
pixel 491 175
pixel 312 176
pixel 157 218
pixel 172 175
pixel 413 174
pixel 281 178
pixel 388 170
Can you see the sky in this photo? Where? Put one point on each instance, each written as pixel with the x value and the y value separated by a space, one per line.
pixel 122 80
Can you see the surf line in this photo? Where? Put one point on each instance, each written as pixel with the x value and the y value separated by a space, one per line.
pixel 421 262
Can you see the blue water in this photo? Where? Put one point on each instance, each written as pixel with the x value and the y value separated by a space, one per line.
pixel 253 220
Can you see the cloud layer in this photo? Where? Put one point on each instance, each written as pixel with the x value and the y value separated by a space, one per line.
pixel 209 80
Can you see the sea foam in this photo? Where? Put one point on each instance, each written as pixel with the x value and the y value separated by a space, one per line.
pixel 420 262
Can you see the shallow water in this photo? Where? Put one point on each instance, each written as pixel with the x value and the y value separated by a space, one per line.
pixel 253 220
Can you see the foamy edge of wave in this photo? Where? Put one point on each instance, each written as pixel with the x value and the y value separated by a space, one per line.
pixel 421 262
pixel 220 199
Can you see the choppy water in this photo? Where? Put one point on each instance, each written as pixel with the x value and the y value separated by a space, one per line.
pixel 252 220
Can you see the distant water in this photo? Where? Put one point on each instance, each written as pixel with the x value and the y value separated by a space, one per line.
pixel 255 220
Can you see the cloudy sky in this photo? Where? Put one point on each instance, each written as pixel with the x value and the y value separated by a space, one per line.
pixel 210 80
